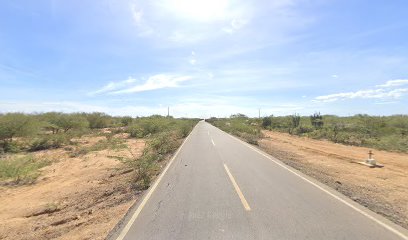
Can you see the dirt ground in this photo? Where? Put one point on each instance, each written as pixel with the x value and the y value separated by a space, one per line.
pixel 74 198
pixel 383 190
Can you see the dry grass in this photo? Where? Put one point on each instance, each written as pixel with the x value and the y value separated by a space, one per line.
pixel 74 197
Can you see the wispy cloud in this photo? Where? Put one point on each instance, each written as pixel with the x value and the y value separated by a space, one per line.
pixel 383 91
pixel 394 83
pixel 140 22
pixel 112 86
pixel 235 25
pixel 154 82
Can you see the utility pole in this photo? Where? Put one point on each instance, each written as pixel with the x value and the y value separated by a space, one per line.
pixel 168 111
pixel 259 113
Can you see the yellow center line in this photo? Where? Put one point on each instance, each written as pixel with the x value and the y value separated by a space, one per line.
pixel 239 192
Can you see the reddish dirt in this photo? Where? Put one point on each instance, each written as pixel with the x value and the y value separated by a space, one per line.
pixel 74 198
pixel 383 190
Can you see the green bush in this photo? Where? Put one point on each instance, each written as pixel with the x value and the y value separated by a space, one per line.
pixel 145 167
pixel 135 131
pixel 50 142
pixel 98 120
pixel 300 130
pixel 163 135
pixel 266 122
pixel 164 143
pixel 147 126
pixel 14 125
pixel 126 121
pixel 56 122
pixel 11 147
pixel 243 127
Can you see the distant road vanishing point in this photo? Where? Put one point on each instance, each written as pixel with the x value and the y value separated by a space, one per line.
pixel 218 187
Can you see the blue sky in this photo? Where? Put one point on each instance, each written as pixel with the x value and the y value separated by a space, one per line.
pixel 204 58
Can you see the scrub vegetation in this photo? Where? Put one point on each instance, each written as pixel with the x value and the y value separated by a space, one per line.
pixel 21 169
pixel 380 132
pixel 164 135
pixel 239 125
pixel 24 134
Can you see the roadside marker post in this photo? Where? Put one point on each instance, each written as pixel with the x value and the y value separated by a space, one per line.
pixel 371 162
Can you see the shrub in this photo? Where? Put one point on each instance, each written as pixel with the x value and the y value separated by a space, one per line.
pixel 266 122
pixel 21 170
pixel 135 131
pixel 126 121
pixel 244 128
pixel 97 120
pixel 11 147
pixel 163 138
pixel 56 122
pixel 164 143
pixel 302 130
pixel 144 167
pixel 50 142
pixel 15 125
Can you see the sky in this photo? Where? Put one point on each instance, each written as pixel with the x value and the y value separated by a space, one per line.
pixel 204 58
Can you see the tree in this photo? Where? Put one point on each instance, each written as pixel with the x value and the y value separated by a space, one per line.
pixel 68 122
pixel 126 121
pixel 98 120
pixel 15 125
pixel 238 115
pixel 266 122
pixel 65 122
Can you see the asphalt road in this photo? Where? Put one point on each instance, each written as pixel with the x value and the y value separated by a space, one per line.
pixel 218 187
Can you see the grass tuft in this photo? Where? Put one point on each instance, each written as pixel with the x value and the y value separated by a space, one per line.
pixel 21 170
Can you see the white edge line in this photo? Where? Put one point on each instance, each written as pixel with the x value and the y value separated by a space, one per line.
pixel 395 231
pixel 129 224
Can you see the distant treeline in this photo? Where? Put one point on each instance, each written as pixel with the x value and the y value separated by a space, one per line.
pixel 32 132
pixel 381 132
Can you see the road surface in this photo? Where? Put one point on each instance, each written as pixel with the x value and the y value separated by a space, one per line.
pixel 218 187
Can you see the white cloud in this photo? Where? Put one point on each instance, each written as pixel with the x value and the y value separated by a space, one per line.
pixel 154 82
pixel 193 61
pixel 114 86
pixel 235 25
pixel 383 91
pixel 137 15
pixel 138 19
pixel 394 83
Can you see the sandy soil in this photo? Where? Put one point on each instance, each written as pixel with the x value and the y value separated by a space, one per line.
pixel 74 198
pixel 383 190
